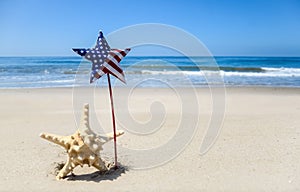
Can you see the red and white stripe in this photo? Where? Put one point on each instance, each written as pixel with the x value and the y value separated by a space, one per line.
pixel 111 64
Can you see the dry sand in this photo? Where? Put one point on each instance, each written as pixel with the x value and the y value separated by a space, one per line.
pixel 258 148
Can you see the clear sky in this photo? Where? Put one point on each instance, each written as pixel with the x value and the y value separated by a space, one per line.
pixel 226 27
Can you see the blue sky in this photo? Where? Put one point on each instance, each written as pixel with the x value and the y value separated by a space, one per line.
pixel 247 28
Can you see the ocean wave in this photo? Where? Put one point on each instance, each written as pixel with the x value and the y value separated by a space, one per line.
pixel 157 67
pixel 72 72
pixel 266 72
pixel 282 69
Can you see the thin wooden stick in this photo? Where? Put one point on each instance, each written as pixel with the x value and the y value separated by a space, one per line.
pixel 113 119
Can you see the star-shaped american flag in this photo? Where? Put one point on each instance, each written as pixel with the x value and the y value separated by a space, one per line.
pixel 104 59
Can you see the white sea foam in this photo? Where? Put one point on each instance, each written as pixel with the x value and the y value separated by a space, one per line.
pixel 268 72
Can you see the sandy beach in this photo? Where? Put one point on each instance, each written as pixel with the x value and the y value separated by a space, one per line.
pixel 258 148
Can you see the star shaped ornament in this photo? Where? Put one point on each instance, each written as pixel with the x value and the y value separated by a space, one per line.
pixel 104 59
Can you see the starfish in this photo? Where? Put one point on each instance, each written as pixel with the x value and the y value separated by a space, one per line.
pixel 83 147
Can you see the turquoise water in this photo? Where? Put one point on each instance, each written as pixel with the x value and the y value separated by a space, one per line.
pixel 38 72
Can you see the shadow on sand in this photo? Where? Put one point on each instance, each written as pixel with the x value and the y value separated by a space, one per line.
pixel 99 176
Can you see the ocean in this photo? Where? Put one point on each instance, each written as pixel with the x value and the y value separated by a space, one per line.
pixel 40 72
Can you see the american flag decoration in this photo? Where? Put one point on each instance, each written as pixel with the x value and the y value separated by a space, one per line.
pixel 105 61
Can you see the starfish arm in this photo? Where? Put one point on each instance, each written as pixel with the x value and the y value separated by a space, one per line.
pixel 110 136
pixel 59 140
pixel 84 122
pixel 65 170
pixel 99 164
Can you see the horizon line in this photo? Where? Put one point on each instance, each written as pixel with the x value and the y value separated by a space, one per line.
pixel 2 56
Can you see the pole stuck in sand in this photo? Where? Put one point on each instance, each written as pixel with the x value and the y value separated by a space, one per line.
pixel 105 61
pixel 113 119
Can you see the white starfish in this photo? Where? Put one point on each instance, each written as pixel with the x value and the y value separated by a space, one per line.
pixel 83 147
